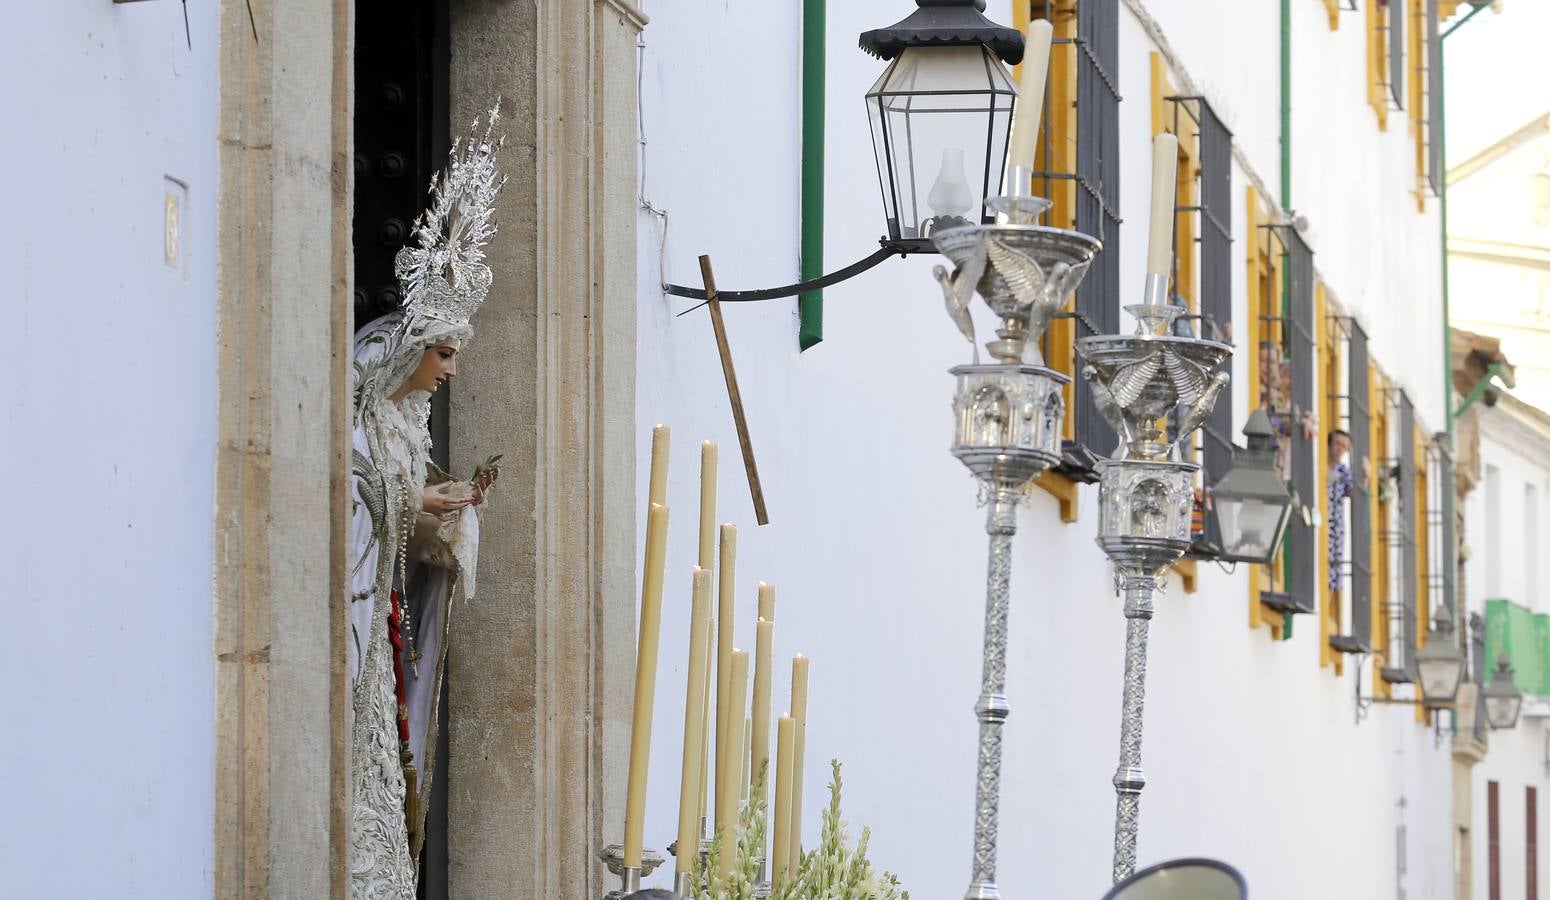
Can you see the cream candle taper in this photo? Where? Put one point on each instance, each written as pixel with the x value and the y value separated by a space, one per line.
pixel 725 573
pixel 661 440
pixel 706 710
pixel 645 683
pixel 729 792
pixel 1165 166
pixel 763 678
pixel 1024 142
pixel 785 734
pixel 708 457
pixel 689 792
pixel 766 602
pixel 799 674
pixel 744 754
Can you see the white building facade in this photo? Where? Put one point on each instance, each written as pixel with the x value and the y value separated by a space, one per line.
pixel 1503 579
pixel 1253 750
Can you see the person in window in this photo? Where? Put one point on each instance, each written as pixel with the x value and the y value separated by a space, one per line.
pixel 1339 488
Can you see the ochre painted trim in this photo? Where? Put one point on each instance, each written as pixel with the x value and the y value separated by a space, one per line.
pixel 1377 390
pixel 1189 574
pixel 1264 298
pixel 1422 575
pixel 1057 154
pixel 1418 91
pixel 1329 376
pixel 1377 58
pixel 1064 490
pixel 1184 282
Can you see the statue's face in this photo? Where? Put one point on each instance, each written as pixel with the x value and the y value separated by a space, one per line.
pixel 437 366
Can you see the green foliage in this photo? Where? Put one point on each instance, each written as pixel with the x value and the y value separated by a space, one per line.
pixel 831 871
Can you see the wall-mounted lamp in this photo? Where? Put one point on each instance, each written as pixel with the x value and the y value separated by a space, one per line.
pixel 1440 664
pixel 1502 698
pixel 1251 503
pixel 940 115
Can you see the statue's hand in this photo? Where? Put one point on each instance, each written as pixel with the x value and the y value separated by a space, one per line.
pixel 441 500
pixel 484 479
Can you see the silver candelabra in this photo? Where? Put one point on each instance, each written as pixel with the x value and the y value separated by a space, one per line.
pixel 1007 424
pixel 1140 383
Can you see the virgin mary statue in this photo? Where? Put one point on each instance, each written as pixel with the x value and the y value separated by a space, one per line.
pixel 414 529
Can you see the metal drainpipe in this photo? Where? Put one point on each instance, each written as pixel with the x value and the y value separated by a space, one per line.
pixel 810 304
pixel 1442 206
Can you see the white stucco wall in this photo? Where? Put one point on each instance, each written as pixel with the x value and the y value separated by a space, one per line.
pixel 875 541
pixel 108 442
pixel 1518 759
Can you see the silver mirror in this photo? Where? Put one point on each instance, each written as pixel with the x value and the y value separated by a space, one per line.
pixel 1183 879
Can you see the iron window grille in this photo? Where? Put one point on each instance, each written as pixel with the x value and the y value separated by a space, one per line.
pixel 1433 124
pixel 1214 280
pixel 1394 20
pixel 1301 589
pixel 1097 198
pixel 1354 417
pixel 1400 540
pixel 1096 176
pixel 1441 562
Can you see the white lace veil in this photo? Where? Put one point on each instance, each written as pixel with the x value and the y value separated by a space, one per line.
pixel 387 353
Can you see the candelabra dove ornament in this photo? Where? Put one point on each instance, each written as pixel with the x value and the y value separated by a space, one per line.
pixel 1007 414
pixel 1146 491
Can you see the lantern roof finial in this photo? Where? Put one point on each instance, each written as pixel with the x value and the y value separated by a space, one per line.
pixel 945 23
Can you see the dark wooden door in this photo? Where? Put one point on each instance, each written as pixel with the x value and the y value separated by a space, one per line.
pixel 1531 891
pixel 1493 836
pixel 401 133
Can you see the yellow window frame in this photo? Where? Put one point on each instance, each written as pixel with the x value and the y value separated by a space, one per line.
pixel 1382 587
pixel 1422 575
pixel 1057 155
pixel 1185 280
pixel 1419 61
pixel 1377 60
pixel 1330 372
pixel 1264 302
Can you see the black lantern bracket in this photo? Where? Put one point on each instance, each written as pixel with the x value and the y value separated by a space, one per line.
pixel 886 250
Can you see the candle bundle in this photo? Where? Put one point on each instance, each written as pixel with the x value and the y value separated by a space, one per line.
pixel 739 753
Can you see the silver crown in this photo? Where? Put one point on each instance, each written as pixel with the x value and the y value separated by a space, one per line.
pixel 442 271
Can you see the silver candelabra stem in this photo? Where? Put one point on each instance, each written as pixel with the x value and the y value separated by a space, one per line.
pixel 993 708
pixel 1154 388
pixel 1129 779
pixel 1008 417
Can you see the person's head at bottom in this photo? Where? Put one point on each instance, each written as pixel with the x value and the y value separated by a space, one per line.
pixel 653 894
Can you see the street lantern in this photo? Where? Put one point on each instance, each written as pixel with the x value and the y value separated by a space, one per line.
pixel 1503 700
pixel 1251 503
pixel 940 116
pixel 1440 664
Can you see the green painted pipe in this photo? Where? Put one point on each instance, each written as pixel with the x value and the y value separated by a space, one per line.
pixel 810 303
pixel 1442 206
pixel 1286 105
pixel 1481 387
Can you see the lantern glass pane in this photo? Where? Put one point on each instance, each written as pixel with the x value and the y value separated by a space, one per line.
pixel 1502 712
pixel 939 118
pixel 1251 528
pixel 1440 677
